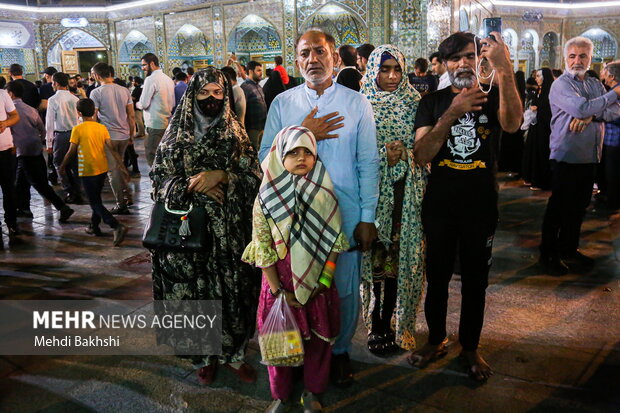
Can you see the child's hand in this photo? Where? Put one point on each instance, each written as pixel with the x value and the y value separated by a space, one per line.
pixel 291 300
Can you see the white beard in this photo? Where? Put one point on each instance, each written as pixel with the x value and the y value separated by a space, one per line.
pixel 312 79
pixel 574 72
pixel 461 82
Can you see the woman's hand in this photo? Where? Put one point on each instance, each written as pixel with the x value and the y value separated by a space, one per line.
pixel 394 153
pixel 291 300
pixel 204 181
pixel 216 193
pixel 398 144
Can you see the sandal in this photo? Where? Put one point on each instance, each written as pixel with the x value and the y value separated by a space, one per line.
pixel 376 343
pixel 278 406
pixel 423 358
pixel 389 343
pixel 206 374
pixel 310 402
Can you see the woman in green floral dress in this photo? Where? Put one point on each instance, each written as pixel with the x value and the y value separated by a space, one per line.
pixel 393 271
pixel 206 156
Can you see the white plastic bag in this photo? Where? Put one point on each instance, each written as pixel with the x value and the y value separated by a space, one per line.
pixel 280 339
pixel 529 119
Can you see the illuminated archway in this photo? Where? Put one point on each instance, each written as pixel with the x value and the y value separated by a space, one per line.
pixel 189 44
pixel 70 40
pixel 254 37
pixel 605 44
pixel 345 26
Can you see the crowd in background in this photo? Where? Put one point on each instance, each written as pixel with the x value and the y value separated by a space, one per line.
pixel 374 179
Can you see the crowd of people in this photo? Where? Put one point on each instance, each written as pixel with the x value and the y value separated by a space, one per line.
pixel 345 192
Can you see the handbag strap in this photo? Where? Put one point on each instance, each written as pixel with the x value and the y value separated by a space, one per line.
pixel 166 197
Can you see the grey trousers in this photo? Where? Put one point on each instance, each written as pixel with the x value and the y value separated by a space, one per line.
pixel 69 180
pixel 151 142
pixel 117 172
pixel 139 123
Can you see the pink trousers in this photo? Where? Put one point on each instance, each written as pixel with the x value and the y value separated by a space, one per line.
pixel 317 361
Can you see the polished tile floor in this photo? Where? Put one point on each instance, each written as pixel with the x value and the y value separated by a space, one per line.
pixel 554 342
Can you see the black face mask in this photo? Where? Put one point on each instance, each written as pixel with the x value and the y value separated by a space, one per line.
pixel 210 107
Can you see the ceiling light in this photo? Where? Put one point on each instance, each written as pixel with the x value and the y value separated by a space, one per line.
pixel 547 5
pixel 106 9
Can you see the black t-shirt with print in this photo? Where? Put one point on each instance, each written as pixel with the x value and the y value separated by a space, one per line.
pixel 466 163
pixel 423 84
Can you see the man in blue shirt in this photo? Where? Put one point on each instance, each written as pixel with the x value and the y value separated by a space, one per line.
pixel 579 106
pixel 350 157
pixel 611 144
pixel 180 80
pixel 255 104
pixel 28 138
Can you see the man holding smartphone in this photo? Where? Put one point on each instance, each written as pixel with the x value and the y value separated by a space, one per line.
pixel 456 130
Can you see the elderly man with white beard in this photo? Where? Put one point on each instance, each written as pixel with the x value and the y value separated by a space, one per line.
pixel 456 132
pixel 343 123
pixel 579 107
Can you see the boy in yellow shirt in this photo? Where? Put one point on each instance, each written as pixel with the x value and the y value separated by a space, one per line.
pixel 89 140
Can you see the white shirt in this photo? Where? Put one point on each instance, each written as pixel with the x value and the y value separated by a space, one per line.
pixel 61 114
pixel 157 100
pixel 239 98
pixel 6 106
pixel 262 82
pixel 444 81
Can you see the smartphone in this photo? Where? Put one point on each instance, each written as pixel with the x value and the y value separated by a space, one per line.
pixel 491 24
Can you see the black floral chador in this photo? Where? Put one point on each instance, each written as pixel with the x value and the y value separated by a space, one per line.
pixel 194 143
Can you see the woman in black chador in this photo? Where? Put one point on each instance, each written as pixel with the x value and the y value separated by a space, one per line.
pixel 537 169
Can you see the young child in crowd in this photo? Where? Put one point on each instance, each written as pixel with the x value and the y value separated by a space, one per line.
pixel 296 237
pixel 89 140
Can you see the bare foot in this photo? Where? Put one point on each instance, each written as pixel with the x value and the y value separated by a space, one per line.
pixel 427 354
pixel 477 368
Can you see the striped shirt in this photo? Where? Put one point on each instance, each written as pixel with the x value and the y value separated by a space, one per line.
pixel 612 133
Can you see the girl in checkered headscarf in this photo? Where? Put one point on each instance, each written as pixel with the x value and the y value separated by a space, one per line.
pixel 297 235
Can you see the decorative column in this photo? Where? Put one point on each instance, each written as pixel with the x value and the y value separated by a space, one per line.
pixel 218 36
pixel 379 22
pixel 290 34
pixel 40 59
pixel 113 44
pixel 439 17
pixel 409 28
pixel 160 41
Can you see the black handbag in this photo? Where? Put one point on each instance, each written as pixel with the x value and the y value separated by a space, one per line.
pixel 176 230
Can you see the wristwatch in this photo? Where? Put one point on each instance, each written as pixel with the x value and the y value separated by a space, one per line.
pixel 278 291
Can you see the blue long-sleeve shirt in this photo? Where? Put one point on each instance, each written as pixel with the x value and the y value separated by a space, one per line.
pixel 29 132
pixel 572 98
pixel 351 160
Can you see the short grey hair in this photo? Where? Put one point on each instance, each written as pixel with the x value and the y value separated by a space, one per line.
pixel 579 41
pixel 613 69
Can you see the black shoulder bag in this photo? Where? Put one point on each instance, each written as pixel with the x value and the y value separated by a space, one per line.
pixel 176 230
